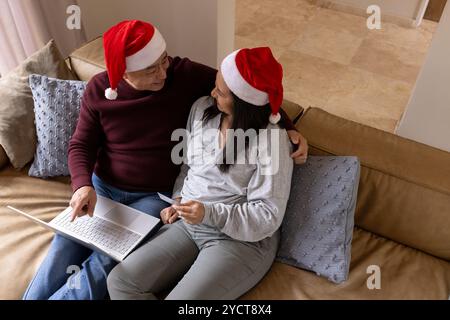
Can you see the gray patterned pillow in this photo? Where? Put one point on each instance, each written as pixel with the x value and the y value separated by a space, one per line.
pixel 56 109
pixel 317 229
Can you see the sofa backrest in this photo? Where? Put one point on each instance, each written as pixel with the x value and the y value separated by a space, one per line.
pixel 404 191
pixel 88 60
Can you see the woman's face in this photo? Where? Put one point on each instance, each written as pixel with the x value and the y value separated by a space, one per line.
pixel 223 95
pixel 151 78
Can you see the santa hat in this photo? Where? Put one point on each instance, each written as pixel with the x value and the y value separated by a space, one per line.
pixel 255 77
pixel 130 46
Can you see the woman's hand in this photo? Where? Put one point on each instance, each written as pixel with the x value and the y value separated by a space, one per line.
pixel 192 211
pixel 301 154
pixel 169 214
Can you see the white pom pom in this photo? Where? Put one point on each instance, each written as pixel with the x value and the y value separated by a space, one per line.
pixel 274 118
pixel 110 94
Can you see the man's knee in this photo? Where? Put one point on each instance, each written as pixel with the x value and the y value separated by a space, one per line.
pixel 64 247
pixel 149 205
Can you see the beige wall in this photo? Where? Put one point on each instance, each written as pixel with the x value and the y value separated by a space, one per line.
pixel 427 117
pixel 202 30
pixel 225 28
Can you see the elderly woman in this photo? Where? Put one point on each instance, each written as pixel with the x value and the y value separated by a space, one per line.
pixel 231 211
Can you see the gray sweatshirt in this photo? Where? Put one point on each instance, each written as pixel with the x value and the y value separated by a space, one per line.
pixel 248 202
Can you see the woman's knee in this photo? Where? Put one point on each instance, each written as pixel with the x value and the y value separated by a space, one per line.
pixel 112 278
pixel 119 280
pixel 123 285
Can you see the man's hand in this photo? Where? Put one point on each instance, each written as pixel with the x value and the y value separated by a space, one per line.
pixel 83 202
pixel 192 211
pixel 301 154
pixel 169 214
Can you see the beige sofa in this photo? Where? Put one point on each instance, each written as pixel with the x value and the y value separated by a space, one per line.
pixel 402 221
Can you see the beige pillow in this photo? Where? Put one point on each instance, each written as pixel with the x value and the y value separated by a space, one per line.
pixel 17 129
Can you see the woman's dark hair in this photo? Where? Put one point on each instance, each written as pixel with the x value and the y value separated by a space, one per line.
pixel 245 116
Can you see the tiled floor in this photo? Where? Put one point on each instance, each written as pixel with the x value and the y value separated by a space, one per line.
pixel 333 61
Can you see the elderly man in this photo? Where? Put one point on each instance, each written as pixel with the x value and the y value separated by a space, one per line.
pixel 121 148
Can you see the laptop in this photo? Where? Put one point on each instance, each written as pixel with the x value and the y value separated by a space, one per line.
pixel 115 229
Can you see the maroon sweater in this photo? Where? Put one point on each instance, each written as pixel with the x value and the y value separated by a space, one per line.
pixel 127 142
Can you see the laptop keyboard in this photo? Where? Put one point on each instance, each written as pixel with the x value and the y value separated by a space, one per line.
pixel 99 231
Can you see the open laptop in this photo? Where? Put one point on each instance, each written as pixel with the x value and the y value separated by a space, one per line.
pixel 115 229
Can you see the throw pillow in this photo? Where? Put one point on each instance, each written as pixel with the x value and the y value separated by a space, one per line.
pixel 17 130
pixel 56 108
pixel 317 229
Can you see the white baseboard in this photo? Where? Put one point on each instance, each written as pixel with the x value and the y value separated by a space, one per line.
pixel 402 21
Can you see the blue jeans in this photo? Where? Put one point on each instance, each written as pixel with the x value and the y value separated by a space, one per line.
pixel 52 279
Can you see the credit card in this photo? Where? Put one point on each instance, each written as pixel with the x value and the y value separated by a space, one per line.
pixel 166 199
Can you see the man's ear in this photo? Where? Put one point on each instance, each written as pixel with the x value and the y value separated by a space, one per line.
pixel 125 76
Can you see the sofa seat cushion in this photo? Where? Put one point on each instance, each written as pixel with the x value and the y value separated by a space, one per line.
pixel 23 244
pixel 406 273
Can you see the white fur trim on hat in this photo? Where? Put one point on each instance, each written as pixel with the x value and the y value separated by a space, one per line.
pixel 147 55
pixel 237 84
pixel 110 94
pixel 274 118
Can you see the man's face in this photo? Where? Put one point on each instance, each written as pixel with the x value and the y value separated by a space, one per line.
pixel 151 78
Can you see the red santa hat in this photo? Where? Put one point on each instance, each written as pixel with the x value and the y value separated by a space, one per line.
pixel 130 46
pixel 255 77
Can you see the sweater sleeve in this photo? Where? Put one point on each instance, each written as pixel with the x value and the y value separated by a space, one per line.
pixel 267 196
pixel 84 145
pixel 202 77
pixel 179 182
pixel 196 112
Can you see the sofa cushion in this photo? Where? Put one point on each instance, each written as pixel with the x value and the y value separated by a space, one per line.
pixel 17 130
pixel 404 190
pixel 56 108
pixel 317 228
pixel 88 60
pixel 405 273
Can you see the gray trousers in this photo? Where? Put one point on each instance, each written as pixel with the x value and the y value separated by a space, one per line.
pixel 195 262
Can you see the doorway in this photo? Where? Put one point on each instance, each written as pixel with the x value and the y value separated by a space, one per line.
pixel 434 10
